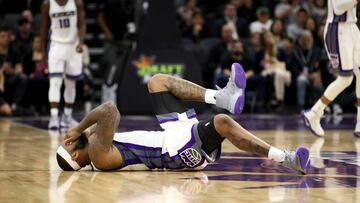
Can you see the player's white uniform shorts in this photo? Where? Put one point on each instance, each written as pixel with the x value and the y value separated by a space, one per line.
pixel 342 43
pixel 64 60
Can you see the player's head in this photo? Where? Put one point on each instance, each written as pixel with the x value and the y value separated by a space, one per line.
pixel 74 156
pixel 4 36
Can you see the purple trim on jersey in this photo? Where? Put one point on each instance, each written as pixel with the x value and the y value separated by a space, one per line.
pixel 161 121
pixel 140 147
pixel 332 46
pixel 58 74
pixel 339 18
pixel 131 162
pixel 75 77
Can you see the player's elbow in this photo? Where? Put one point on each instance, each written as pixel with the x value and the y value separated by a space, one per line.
pixel 109 107
pixel 157 83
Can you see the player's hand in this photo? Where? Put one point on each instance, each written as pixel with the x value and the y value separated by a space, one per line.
pixel 72 135
pixel 79 48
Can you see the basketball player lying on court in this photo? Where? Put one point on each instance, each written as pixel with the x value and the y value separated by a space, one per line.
pixel 184 143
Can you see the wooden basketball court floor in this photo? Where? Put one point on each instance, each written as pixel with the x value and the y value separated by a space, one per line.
pixel 29 172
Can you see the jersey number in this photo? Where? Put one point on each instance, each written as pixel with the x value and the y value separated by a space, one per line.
pixel 64 23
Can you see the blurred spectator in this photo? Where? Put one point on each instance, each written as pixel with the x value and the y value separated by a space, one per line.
pixel 255 82
pixel 114 30
pixel 283 11
pixel 238 25
pixel 295 29
pixel 263 22
pixel 254 46
pixel 198 30
pixel 272 68
pixel 311 26
pixel 246 10
pixel 24 35
pixel 37 72
pixel 277 29
pixel 5 108
pixel 11 65
pixel 187 11
pixel 218 52
pixel 319 10
pixel 304 65
pixel 286 50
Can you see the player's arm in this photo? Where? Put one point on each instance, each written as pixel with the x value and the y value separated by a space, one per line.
pixel 341 6
pixel 45 7
pixel 106 117
pixel 104 26
pixel 81 24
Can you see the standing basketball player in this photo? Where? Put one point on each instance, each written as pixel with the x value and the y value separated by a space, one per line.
pixel 342 43
pixel 67 31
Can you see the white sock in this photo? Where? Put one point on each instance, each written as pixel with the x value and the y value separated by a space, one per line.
pixel 67 111
pixel 276 154
pixel 358 114
pixel 54 112
pixel 319 108
pixel 210 96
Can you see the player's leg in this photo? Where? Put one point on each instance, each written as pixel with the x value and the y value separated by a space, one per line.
pixel 230 98
pixel 73 72
pixel 341 57
pixel 356 35
pixel 227 128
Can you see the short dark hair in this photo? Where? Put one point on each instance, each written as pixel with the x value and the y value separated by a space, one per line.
pixel 5 29
pixel 64 165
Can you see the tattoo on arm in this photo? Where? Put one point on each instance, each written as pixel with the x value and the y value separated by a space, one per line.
pixel 185 90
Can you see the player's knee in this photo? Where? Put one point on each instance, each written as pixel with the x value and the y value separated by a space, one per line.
pixel 223 123
pixel 157 83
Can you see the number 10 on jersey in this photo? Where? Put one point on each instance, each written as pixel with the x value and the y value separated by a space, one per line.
pixel 64 23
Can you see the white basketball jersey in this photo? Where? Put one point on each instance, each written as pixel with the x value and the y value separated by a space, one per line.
pixel 64 28
pixel 342 11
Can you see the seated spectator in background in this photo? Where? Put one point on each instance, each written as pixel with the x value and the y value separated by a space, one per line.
pixel 216 54
pixel 283 11
pixel 254 46
pixel 238 25
pixel 272 68
pixel 255 82
pixel 286 50
pixel 319 10
pixel 24 36
pixel 263 22
pixel 187 11
pixel 277 29
pixel 294 30
pixel 246 10
pixel 304 65
pixel 312 27
pixel 114 30
pixel 198 30
pixel 11 65
pixel 5 108
pixel 37 72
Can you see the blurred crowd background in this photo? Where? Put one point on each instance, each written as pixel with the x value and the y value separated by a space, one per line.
pixel 279 43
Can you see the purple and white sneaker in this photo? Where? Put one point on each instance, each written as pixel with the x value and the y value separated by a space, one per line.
pixel 312 121
pixel 298 160
pixel 232 97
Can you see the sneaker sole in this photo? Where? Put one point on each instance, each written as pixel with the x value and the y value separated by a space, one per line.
pixel 307 124
pixel 303 156
pixel 239 77
pixel 357 134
